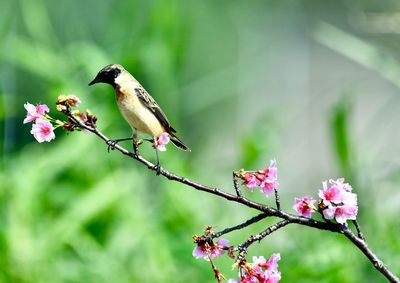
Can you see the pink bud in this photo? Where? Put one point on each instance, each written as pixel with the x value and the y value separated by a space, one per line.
pixel 251 181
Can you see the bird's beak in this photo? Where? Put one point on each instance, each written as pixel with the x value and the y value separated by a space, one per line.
pixel 95 81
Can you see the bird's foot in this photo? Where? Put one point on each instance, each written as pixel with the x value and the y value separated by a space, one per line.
pixel 111 144
pixel 157 167
pixel 137 143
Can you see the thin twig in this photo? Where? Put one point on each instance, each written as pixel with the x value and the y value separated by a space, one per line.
pixel 277 200
pixel 239 226
pixel 218 275
pixel 236 185
pixel 358 228
pixel 244 246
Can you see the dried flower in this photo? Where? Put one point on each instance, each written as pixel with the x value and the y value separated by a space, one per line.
pixel 67 100
pixel 260 271
pixel 266 179
pixel 207 249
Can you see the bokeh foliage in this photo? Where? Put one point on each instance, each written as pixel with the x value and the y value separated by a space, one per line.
pixel 312 83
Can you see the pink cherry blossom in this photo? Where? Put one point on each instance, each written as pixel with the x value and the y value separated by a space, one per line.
pixel 341 184
pixel 341 213
pixel 331 194
pixel 266 179
pixel 329 212
pixel 305 206
pixel 209 250
pixel 260 260
pixel 251 181
pixel 345 212
pixel 35 112
pixel 270 264
pixel 223 243
pixel 272 277
pixel 161 141
pixel 269 179
pixel 340 202
pixel 43 130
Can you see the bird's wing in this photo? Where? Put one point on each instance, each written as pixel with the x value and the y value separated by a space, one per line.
pixel 152 105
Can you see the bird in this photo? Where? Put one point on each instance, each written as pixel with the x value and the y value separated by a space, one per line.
pixel 139 109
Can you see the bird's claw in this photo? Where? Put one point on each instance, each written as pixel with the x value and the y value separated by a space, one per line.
pixel 157 167
pixel 111 145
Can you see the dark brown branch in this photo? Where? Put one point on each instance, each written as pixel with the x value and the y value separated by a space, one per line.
pixel 268 211
pixel 215 191
pixel 377 263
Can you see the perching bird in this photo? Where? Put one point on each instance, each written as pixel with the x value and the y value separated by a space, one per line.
pixel 139 109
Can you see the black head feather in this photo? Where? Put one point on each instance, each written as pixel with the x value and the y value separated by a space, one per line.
pixel 108 74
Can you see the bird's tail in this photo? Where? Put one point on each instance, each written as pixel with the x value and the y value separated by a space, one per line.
pixel 176 141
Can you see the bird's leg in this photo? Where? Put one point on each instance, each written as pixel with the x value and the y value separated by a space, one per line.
pixel 157 167
pixel 112 143
pixel 135 143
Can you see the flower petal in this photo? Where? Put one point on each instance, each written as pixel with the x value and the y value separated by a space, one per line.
pixel 43 130
pixel 198 252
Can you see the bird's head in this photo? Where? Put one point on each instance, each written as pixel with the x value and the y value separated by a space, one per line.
pixel 108 75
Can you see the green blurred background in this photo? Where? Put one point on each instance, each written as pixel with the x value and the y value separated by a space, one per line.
pixel 314 84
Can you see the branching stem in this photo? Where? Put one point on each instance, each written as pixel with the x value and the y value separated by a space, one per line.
pixel 287 218
pixel 253 238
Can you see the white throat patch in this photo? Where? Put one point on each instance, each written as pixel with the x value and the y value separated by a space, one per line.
pixel 118 79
